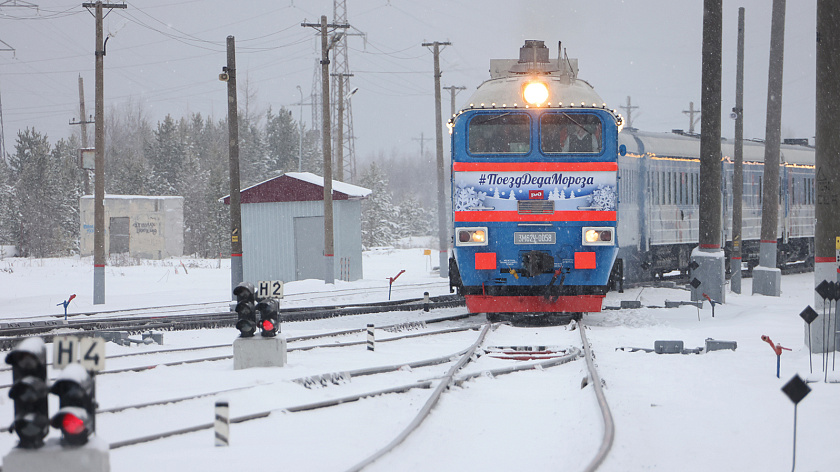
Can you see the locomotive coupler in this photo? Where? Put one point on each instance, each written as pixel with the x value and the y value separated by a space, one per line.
pixel 558 272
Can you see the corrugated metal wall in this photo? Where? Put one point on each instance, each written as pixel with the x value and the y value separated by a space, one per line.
pixel 268 239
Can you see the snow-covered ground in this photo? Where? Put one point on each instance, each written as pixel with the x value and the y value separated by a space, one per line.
pixel 721 410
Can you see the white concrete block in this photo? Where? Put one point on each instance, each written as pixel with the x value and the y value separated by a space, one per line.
pixel 92 457
pixel 258 351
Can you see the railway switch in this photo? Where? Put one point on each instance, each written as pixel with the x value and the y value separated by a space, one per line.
pixel 29 392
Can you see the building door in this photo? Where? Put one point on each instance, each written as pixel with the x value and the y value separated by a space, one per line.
pixel 309 248
pixel 118 231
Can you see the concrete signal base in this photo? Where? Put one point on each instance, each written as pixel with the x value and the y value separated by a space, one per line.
pixel 767 281
pixel 258 351
pixel 92 457
pixel 711 272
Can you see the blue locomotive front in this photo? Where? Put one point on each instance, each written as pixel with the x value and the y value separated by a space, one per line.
pixel 534 190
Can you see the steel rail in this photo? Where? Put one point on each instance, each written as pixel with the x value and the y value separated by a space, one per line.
pixel 609 425
pixel 427 407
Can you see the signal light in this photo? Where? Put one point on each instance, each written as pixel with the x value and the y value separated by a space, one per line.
pixel 29 392
pixel 74 424
pixel 76 416
pixel 269 317
pixel 245 310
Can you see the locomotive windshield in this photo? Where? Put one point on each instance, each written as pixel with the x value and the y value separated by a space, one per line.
pixel 508 133
pixel 570 133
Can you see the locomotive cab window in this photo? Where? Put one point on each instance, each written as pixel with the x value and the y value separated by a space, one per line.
pixel 570 133
pixel 508 133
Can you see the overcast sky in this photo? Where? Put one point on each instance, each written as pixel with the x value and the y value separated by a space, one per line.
pixel 165 57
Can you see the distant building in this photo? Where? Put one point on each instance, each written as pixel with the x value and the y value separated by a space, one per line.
pixel 143 227
pixel 283 229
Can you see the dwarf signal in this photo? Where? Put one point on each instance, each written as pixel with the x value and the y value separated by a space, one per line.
pixel 29 392
pixel 245 309
pixel 269 310
pixel 77 408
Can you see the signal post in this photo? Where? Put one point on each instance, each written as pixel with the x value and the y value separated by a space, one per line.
pixel 827 171
pixel 708 262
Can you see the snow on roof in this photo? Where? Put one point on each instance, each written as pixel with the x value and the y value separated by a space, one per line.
pixel 134 197
pixel 343 187
pixel 297 187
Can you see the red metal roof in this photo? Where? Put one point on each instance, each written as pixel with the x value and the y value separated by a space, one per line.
pixel 291 188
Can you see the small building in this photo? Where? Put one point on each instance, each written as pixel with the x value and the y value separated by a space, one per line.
pixel 283 229
pixel 143 227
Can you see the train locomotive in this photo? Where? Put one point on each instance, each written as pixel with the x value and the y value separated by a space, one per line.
pixel 534 190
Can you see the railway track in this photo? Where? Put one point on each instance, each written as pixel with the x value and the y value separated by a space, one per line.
pixel 437 385
pixel 12 331
pixel 328 389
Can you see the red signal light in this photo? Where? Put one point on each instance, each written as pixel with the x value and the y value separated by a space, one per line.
pixel 72 424
pixel 267 325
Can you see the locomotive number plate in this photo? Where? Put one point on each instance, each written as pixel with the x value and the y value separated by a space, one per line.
pixel 534 238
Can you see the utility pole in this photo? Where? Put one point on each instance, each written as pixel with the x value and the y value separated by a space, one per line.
pixel 315 100
pixel 329 246
pixel 708 261
pixel 691 120
pixel 443 232
pixel 827 167
pixel 339 150
pixel 422 140
pixel 453 90
pixel 767 278
pixel 99 160
pixel 83 122
pixel 628 110
pixel 237 273
pixel 300 132
pixel 2 134
pixel 738 173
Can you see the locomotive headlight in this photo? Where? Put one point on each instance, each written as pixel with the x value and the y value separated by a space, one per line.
pixel 471 237
pixel 535 93
pixel 598 236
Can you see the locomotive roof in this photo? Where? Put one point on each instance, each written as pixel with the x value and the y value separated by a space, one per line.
pixel 687 146
pixel 507 92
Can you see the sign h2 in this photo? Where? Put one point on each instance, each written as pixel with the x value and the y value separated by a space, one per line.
pixel 269 288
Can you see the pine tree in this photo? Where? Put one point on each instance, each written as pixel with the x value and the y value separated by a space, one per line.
pixel 414 220
pixel 69 182
pixel 8 206
pixel 34 174
pixel 379 217
pixel 281 142
pixel 166 155
pixel 127 134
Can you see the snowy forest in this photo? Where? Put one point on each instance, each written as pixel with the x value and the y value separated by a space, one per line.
pixel 41 182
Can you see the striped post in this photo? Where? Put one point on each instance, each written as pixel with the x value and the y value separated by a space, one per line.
pixel 371 341
pixel 222 424
pixel 426 301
